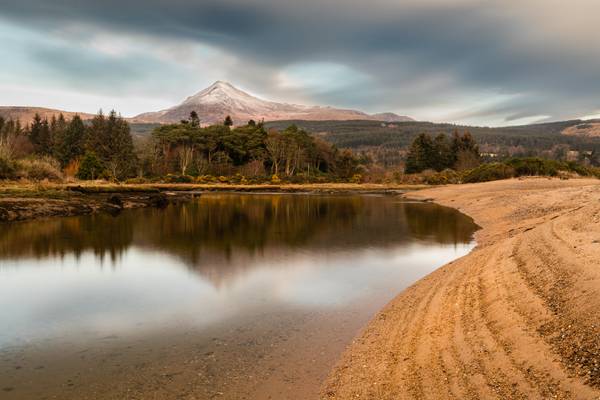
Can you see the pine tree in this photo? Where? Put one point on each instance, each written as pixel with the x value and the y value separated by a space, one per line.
pixel 71 143
pixel 443 155
pixel 194 119
pixel 90 168
pixel 39 135
pixel 228 121
pixel 58 128
pixel 421 155
pixel 465 151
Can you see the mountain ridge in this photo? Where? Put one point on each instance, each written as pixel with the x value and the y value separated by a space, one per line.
pixel 221 98
pixel 25 114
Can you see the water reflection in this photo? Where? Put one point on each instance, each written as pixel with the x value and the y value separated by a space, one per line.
pixel 218 227
pixel 222 257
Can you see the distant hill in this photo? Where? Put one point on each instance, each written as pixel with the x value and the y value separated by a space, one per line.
pixel 371 134
pixel 590 129
pixel 220 99
pixel 26 114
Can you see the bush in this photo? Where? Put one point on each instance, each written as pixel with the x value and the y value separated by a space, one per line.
pixel 206 179
pixel 136 181
pixel 447 176
pixel 275 180
pixel 488 172
pixel 535 166
pixel 356 178
pixel 37 169
pixel 179 179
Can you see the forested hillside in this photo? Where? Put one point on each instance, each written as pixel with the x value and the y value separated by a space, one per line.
pixel 384 140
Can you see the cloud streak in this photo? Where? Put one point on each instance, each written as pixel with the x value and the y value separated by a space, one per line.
pixel 489 62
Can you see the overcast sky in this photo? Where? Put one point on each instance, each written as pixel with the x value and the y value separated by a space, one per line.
pixel 487 62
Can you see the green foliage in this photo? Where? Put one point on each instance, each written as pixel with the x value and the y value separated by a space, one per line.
pixel 445 177
pixel 438 154
pixel 531 166
pixel 249 150
pixel 179 179
pixel 91 167
pixel 69 141
pixel 488 172
pixel 421 155
pixel 110 138
pixel 536 166
pixel 40 136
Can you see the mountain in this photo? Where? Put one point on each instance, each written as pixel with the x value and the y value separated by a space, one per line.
pixel 26 114
pixel 220 99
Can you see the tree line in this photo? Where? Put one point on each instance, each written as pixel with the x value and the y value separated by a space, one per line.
pixel 101 148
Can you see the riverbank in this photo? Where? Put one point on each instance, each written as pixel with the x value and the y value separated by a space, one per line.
pixel 517 318
pixel 19 202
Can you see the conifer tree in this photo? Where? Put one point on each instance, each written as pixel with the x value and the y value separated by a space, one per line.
pixel 421 155
pixel 39 135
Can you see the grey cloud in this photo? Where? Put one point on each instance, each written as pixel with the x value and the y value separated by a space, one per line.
pixel 479 47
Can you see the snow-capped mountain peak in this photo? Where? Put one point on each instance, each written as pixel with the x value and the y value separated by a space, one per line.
pixel 222 98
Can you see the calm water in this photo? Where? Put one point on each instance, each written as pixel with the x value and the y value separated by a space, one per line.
pixel 236 296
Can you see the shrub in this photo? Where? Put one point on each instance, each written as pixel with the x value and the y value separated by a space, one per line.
pixel 37 169
pixel 136 181
pixel 447 176
pixel 356 178
pixel 179 179
pixel 275 180
pixel 7 168
pixel 488 172
pixel 535 166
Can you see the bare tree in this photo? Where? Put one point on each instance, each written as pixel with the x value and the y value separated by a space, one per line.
pixel 186 155
pixel 275 144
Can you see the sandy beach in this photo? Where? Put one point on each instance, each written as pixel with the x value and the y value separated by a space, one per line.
pixel 517 318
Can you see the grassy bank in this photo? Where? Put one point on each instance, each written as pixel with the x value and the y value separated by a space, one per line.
pixel 24 201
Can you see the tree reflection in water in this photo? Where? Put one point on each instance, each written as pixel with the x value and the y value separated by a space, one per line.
pixel 220 235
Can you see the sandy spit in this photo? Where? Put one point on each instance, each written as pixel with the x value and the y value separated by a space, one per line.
pixel 517 318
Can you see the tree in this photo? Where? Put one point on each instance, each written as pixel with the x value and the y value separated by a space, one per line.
pixel 90 167
pixel 70 143
pixel 276 149
pixel 39 135
pixel 465 151
pixel 194 119
pixel 110 138
pixel 421 155
pixel 228 121
pixel 443 157
pixel 346 164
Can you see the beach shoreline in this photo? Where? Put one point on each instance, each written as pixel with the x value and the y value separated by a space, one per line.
pixel 516 318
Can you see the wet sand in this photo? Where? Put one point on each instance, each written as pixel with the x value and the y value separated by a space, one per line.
pixel 517 318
